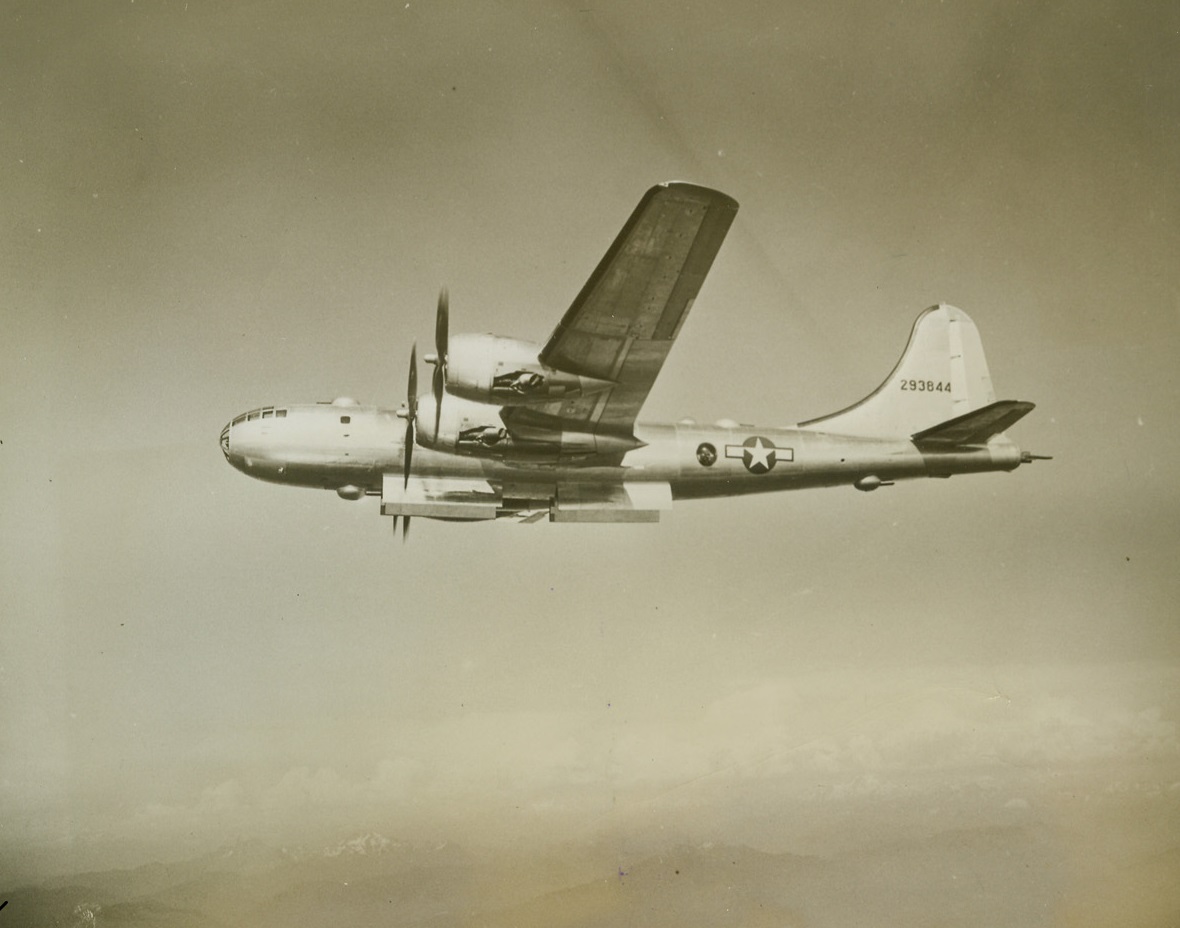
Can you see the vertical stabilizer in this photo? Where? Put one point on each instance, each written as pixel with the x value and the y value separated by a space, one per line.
pixel 942 374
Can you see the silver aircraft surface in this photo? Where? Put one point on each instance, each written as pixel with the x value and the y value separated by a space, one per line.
pixel 511 428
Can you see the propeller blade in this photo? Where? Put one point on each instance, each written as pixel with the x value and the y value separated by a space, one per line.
pixel 437 387
pixel 412 386
pixel 442 321
pixel 411 416
pixel 405 523
pixel 438 383
pixel 408 453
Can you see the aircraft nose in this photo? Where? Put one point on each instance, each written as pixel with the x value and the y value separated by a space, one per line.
pixel 232 457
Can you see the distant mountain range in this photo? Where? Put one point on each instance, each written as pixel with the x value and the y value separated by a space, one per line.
pixel 366 844
pixel 1024 874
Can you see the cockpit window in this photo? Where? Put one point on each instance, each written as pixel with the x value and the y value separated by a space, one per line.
pixel 265 412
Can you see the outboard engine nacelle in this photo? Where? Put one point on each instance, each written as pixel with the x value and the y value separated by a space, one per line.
pixel 507 372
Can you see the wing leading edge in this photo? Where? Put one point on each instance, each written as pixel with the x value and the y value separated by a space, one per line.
pixel 622 324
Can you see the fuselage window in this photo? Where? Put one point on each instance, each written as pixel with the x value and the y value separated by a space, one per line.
pixel 280 414
pixel 344 420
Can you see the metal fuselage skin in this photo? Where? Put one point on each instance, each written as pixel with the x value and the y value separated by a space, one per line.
pixel 328 446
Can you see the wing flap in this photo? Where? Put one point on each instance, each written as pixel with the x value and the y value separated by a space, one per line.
pixel 629 501
pixel 438 497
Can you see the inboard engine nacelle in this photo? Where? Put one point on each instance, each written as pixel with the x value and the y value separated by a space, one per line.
pixel 471 428
pixel 507 372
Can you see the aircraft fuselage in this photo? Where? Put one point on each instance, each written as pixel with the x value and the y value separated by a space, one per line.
pixel 352 448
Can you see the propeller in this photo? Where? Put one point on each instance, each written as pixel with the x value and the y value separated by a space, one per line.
pixel 438 383
pixel 410 414
pixel 438 386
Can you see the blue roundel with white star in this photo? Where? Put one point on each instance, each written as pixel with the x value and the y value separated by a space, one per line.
pixel 758 454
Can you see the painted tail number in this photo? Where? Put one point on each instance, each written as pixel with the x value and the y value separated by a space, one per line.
pixel 926 386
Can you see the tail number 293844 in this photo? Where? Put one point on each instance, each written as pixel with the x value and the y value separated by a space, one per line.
pixel 926 386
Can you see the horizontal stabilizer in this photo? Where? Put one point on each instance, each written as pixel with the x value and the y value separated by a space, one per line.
pixel 974 428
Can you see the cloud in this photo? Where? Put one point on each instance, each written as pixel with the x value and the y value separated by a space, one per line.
pixel 838 735
pixel 302 786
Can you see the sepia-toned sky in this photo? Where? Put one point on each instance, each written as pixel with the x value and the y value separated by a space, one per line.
pixel 211 206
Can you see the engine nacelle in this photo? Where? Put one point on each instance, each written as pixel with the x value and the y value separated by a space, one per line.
pixel 476 429
pixel 507 372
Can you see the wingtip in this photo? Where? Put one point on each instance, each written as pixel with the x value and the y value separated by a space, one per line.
pixel 697 192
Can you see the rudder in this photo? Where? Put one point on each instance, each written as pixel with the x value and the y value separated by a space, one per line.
pixel 942 374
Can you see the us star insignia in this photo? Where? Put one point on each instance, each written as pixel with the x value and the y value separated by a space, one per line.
pixel 759 454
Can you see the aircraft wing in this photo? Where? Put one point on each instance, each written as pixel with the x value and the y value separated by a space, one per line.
pixel 622 324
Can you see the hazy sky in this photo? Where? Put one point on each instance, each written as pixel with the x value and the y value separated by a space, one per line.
pixel 212 206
